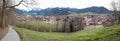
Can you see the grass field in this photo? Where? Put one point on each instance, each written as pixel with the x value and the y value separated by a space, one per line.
pixel 101 34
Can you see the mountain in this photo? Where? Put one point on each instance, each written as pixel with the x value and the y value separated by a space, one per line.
pixel 20 11
pixel 94 9
pixel 65 11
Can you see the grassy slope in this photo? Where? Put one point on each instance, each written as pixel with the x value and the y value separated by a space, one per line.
pixel 101 34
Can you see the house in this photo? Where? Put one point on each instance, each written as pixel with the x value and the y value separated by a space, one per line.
pixel 52 20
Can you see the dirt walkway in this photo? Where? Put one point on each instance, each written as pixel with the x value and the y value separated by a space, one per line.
pixel 11 36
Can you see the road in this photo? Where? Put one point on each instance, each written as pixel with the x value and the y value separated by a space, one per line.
pixel 12 35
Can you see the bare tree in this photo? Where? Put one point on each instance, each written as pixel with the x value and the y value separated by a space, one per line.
pixel 57 24
pixel 5 5
pixel 3 13
pixel 116 10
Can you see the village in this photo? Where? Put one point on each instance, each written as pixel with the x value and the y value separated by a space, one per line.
pixel 95 19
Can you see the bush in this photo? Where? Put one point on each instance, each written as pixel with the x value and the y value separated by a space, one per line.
pixel 72 24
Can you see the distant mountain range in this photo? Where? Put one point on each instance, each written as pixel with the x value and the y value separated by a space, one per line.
pixel 63 11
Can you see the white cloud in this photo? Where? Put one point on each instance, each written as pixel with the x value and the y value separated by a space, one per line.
pixel 70 3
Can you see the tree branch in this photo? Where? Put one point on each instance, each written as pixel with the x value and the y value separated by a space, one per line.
pixel 15 5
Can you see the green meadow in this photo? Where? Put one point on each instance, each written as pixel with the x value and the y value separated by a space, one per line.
pixel 101 34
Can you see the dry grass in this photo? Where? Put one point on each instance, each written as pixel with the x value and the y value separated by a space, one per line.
pixel 3 32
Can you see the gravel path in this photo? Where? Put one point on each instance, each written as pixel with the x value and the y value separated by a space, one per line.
pixel 11 36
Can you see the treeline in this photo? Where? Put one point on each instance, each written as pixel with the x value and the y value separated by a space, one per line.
pixel 69 24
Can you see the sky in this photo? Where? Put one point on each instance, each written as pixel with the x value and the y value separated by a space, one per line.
pixel 42 4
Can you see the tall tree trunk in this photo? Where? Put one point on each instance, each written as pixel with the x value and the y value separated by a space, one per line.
pixel 3 14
